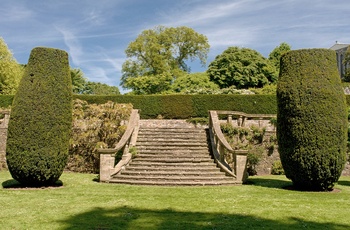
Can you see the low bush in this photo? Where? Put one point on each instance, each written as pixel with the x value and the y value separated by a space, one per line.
pixel 277 168
pixel 95 126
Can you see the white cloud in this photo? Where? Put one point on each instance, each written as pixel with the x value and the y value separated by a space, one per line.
pixel 74 47
pixel 15 12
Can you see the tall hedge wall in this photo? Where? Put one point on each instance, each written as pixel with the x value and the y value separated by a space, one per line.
pixel 194 105
pixel 311 119
pixel 186 106
pixel 41 119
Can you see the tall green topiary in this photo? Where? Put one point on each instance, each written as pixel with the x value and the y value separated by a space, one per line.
pixel 311 119
pixel 41 119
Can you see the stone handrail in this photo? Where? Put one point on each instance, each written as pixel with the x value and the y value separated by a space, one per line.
pixel 220 145
pixel 5 120
pixel 107 156
pixel 244 116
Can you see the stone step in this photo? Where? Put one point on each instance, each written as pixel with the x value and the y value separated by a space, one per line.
pixel 172 168
pixel 163 138
pixel 173 148
pixel 171 177
pixel 167 164
pixel 173 130
pixel 174 160
pixel 173 151
pixel 196 173
pixel 173 155
pixel 175 183
pixel 175 143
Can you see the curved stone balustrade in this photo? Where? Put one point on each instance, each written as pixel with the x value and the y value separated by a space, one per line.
pixel 220 146
pixel 107 156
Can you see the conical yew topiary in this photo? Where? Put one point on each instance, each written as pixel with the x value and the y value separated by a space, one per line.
pixel 41 119
pixel 311 119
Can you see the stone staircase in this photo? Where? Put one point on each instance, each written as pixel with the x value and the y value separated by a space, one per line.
pixel 172 152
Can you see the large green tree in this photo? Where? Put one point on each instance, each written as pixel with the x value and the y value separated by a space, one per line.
pixel 193 83
pixel 98 88
pixel 241 67
pixel 10 71
pixel 78 81
pixel 160 55
pixel 81 85
pixel 277 52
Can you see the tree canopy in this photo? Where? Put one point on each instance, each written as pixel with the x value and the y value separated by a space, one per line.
pixel 241 67
pixel 159 55
pixel 81 85
pixel 193 83
pixel 10 71
pixel 277 52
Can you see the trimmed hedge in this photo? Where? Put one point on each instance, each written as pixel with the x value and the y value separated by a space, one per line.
pixel 41 119
pixel 311 119
pixel 187 106
pixel 195 105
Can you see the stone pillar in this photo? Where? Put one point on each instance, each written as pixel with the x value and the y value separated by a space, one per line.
pixel 3 137
pixel 229 119
pixel 106 166
pixel 241 165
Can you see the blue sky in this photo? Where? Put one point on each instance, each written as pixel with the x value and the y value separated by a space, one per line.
pixel 96 33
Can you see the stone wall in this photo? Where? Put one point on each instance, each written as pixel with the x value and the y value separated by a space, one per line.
pixel 4 119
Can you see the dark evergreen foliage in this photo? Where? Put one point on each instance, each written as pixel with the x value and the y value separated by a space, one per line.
pixel 187 106
pixel 311 118
pixel 41 119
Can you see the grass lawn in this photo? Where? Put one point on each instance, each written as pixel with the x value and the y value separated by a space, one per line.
pixel 84 204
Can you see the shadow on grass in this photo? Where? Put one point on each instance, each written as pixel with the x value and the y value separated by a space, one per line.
pixel 269 182
pixel 131 218
pixel 344 182
pixel 283 184
pixel 13 184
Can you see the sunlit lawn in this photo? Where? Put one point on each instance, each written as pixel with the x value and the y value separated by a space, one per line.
pixel 84 204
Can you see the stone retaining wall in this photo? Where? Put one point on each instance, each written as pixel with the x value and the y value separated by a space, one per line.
pixel 5 116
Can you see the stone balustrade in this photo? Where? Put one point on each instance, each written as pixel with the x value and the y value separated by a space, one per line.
pixel 4 120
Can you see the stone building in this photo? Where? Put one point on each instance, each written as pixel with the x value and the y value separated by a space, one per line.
pixel 340 50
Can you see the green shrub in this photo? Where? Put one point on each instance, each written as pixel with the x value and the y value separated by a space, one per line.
pixel 198 121
pixel 6 101
pixel 95 126
pixel 311 119
pixel 277 168
pixel 41 119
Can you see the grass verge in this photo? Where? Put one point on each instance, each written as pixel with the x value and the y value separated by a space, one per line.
pixel 82 203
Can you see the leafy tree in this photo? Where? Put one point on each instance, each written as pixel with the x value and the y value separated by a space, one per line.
pixel 10 71
pixel 98 88
pixel 158 56
pixel 192 83
pixel 81 85
pixel 241 67
pixel 41 119
pixel 277 52
pixel 78 81
pixel 311 119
